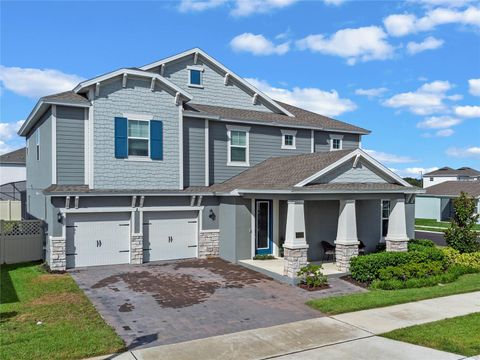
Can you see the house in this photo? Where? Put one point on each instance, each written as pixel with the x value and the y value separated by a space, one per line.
pixel 448 174
pixel 437 202
pixel 182 158
pixel 12 166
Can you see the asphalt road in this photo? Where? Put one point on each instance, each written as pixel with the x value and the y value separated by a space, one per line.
pixel 437 238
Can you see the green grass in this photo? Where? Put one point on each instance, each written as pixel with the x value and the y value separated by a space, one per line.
pixel 71 327
pixel 459 335
pixel 429 223
pixel 380 298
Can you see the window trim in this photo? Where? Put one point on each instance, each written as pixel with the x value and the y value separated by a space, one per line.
pixel 383 218
pixel 245 129
pixel 201 69
pixel 138 157
pixel 292 133
pixel 37 144
pixel 336 137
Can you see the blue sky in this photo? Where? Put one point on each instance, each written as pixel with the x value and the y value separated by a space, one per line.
pixel 409 71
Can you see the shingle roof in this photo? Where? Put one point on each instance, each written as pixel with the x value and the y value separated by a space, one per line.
pixel 359 187
pixel 67 96
pixel 445 171
pixel 454 188
pixel 14 157
pixel 302 117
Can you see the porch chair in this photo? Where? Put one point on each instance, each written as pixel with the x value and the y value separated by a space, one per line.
pixel 361 248
pixel 328 251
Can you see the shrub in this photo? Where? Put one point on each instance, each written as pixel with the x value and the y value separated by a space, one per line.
pixel 312 276
pixel 468 260
pixel 263 257
pixel 366 268
pixel 420 244
pixel 411 270
pixel 461 234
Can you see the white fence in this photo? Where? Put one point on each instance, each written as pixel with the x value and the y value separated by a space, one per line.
pixel 10 210
pixel 21 241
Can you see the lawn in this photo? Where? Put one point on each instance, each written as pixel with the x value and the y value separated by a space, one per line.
pixel 70 326
pixel 459 335
pixel 381 298
pixel 434 225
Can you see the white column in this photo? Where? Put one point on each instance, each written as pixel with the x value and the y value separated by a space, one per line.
pixel 397 239
pixel 346 244
pixel 295 246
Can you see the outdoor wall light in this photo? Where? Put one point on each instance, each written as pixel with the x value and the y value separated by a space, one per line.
pixel 60 217
pixel 212 215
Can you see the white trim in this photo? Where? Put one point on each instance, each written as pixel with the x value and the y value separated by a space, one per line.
pixel 180 147
pixel 86 144
pixel 124 80
pixel 276 227
pixel 312 141
pixel 223 68
pixel 133 116
pixel 138 157
pixel 210 231
pixel 245 129
pixel 294 141
pixel 336 137
pixel 252 228
pixel 349 156
pixel 207 154
pixel 382 238
pixel 199 68
pixel 54 144
pixel 129 209
pixel 91 154
pixel 268 225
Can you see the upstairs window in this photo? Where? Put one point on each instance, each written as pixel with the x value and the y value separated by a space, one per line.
pixel 195 76
pixel 336 142
pixel 138 138
pixel 238 144
pixel 37 144
pixel 289 139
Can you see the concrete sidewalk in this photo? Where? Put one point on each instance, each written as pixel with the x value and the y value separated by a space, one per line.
pixel 346 336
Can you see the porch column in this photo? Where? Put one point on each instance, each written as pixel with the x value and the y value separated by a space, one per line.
pixel 295 246
pixel 397 239
pixel 346 244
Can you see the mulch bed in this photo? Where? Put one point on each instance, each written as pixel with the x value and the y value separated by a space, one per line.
pixel 348 278
pixel 316 288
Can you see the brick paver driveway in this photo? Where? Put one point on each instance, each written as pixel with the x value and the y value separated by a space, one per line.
pixel 170 302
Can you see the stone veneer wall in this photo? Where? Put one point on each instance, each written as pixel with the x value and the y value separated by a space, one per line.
pixel 343 254
pixel 58 257
pixel 136 249
pixel 208 244
pixel 294 259
pixel 398 246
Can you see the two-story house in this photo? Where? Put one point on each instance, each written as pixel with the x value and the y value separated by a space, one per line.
pixel 182 158
pixel 448 174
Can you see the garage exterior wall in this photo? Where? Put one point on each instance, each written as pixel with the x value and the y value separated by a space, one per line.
pixel 235 225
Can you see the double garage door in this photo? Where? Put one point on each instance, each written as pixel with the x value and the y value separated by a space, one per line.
pixel 104 238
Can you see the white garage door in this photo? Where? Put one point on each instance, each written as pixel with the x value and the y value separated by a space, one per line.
pixel 169 235
pixel 98 239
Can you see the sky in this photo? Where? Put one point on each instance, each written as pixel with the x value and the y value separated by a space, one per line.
pixel 408 71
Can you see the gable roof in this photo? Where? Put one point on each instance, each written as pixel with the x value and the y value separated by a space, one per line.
pixel 199 52
pixel 448 171
pixel 17 157
pixel 454 188
pixel 301 118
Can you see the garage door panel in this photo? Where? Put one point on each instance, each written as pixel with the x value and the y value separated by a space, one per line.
pixel 98 239
pixel 169 235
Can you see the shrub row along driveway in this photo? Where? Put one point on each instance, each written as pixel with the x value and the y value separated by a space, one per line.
pixel 170 302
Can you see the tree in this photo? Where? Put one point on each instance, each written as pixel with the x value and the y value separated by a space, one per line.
pixel 413 181
pixel 461 235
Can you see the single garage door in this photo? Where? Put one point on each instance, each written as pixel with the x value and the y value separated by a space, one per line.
pixel 98 239
pixel 169 235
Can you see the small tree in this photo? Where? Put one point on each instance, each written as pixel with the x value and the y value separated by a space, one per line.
pixel 461 235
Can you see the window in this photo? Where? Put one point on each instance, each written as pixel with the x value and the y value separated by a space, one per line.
pixel 37 143
pixel 385 216
pixel 195 76
pixel 431 179
pixel 288 139
pixel 138 138
pixel 336 142
pixel 238 146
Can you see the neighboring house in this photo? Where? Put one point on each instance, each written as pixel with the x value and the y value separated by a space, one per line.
pixel 12 166
pixel 183 158
pixel 448 174
pixel 437 202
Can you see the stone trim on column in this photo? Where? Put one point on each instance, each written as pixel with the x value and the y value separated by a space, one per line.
pixel 208 244
pixel 397 239
pixel 58 257
pixel 136 249
pixel 294 259
pixel 343 254
pixel 295 246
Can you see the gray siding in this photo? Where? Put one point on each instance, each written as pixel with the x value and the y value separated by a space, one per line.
pixel 235 222
pixel 410 219
pixel 368 223
pixel 114 100
pixel 427 208
pixel 193 152
pixel 70 145
pixel 346 173
pixel 211 213
pixel 214 91
pixel 322 141
pixel 264 141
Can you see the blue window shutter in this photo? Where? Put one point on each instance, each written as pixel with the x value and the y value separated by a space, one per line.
pixel 121 146
pixel 156 140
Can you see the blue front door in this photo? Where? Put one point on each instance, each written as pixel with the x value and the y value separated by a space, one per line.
pixel 263 226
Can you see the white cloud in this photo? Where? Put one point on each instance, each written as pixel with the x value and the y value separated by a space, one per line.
pixel 468 111
pixel 404 24
pixel 438 122
pixel 427 99
pixel 257 45
pixel 371 93
pixel 474 87
pixel 36 82
pixel 430 43
pixel 471 151
pixel 390 158
pixel 197 6
pixel 327 103
pixel 8 136
pixel 334 2
pixel 444 133
pixel 360 44
pixel 249 7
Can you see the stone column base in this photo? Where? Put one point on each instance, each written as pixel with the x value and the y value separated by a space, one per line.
pixel 294 259
pixel 343 254
pixel 58 257
pixel 208 244
pixel 136 249
pixel 397 245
